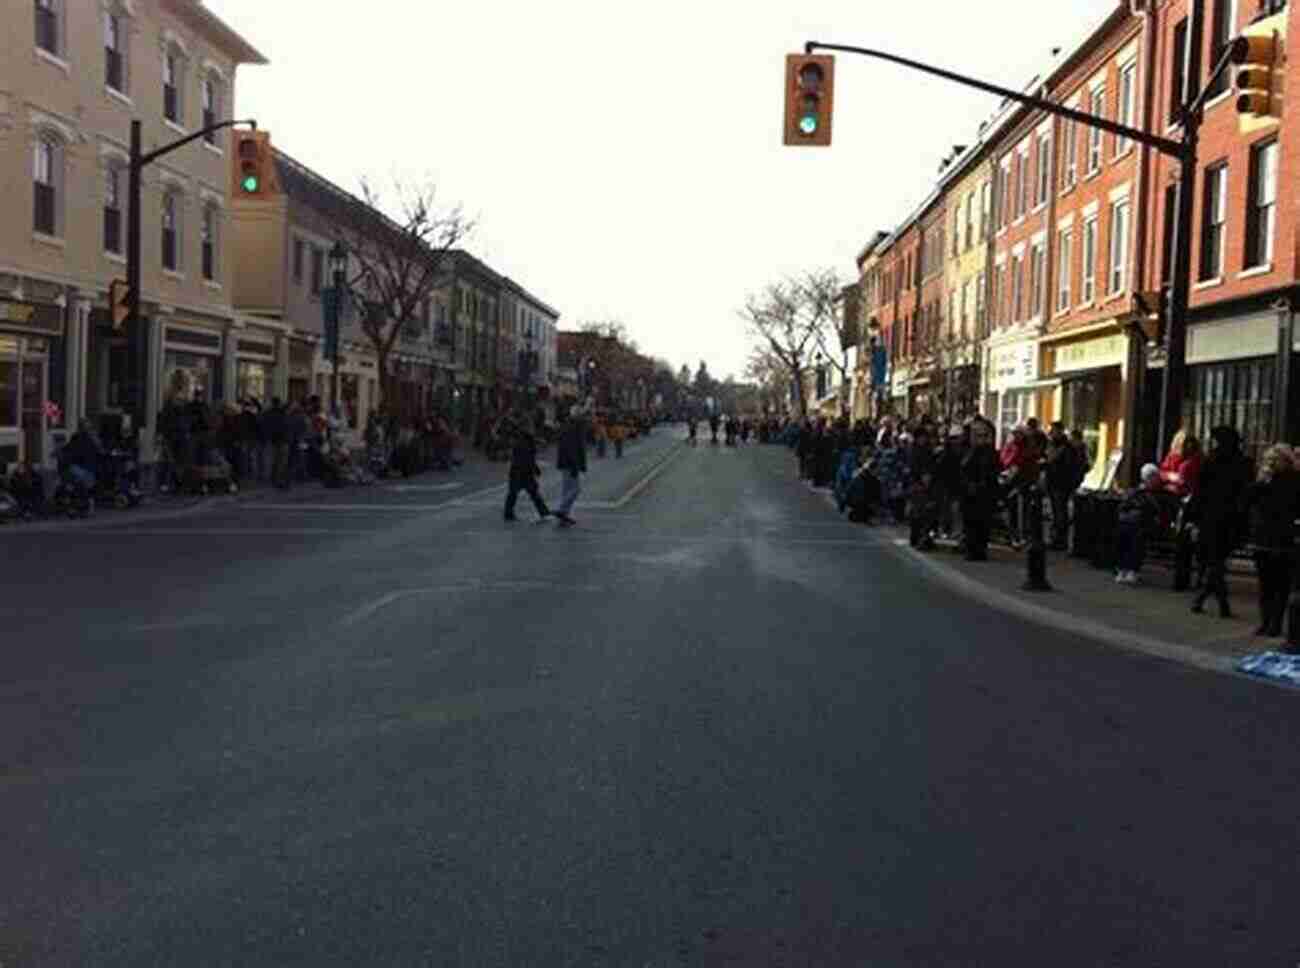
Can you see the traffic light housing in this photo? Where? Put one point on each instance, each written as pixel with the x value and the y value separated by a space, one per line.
pixel 809 99
pixel 254 165
pixel 1261 60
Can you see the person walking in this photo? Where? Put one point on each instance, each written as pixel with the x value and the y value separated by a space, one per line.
pixel 1271 502
pixel 524 471
pixel 1225 475
pixel 275 426
pixel 571 460
pixel 1061 468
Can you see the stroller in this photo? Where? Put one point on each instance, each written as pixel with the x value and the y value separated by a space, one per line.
pixel 210 474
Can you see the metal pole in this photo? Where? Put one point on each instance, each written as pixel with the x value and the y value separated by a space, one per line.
pixel 338 338
pixel 1175 376
pixel 137 366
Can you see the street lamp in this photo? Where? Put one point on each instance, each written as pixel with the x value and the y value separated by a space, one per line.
pixel 338 256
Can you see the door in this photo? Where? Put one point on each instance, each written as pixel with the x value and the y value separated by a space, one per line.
pixel 33 409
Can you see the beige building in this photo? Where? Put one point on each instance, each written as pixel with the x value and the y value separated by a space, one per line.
pixel 76 74
pixel 969 205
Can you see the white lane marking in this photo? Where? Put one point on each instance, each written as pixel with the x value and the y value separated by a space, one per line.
pixel 645 481
pixel 180 624
pixel 375 605
pixel 407 488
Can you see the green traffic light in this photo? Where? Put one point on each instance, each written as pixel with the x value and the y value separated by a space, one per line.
pixel 249 183
pixel 808 124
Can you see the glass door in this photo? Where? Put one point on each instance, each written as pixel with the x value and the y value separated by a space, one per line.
pixel 33 409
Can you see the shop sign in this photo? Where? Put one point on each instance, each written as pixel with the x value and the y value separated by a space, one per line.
pixel 1013 365
pixel 192 338
pixel 248 347
pixel 1092 353
pixel 33 317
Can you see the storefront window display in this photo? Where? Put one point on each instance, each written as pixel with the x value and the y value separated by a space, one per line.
pixel 253 379
pixel 1081 405
pixel 8 383
pixel 1237 394
pixel 185 374
pixel 1017 407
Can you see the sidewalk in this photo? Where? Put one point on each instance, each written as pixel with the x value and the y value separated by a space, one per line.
pixel 1150 617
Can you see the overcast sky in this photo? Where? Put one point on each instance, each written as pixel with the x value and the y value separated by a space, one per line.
pixel 625 161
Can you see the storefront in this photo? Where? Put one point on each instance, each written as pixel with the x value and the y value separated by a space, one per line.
pixel 191 364
pixel 1091 370
pixel 255 366
pixel 898 398
pixel 31 381
pixel 1013 392
pixel 1232 378
pixel 302 354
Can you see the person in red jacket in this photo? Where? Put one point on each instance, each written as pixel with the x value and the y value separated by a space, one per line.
pixel 1180 471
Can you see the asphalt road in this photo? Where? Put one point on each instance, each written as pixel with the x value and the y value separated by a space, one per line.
pixel 713 724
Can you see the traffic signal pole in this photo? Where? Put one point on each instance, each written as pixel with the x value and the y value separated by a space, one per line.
pixel 1184 150
pixel 137 345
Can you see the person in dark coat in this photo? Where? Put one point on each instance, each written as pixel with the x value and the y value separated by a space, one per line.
pixel 948 476
pixel 1137 520
pixel 923 491
pixel 1061 467
pixel 524 471
pixel 1272 502
pixel 1225 475
pixel 980 485
pixel 571 460
pixel 275 427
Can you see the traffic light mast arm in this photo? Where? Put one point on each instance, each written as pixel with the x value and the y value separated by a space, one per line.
pixel 1198 102
pixel 165 149
pixel 1163 145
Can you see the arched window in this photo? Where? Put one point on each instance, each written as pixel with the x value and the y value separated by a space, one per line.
pixel 47 182
pixel 208 236
pixel 212 90
pixel 115 50
pixel 114 182
pixel 171 231
pixel 173 85
pixel 49 26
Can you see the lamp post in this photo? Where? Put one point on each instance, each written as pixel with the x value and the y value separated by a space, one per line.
pixel 525 368
pixel 333 305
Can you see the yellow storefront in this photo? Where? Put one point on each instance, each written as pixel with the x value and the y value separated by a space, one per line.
pixel 1090 398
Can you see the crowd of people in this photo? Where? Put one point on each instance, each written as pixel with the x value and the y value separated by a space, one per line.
pixel 953 482
pixel 203 447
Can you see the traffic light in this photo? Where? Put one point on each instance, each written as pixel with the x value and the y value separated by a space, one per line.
pixel 117 301
pixel 254 165
pixel 809 97
pixel 1258 53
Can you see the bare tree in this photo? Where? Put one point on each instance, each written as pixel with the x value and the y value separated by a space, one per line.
pixel 770 374
pixel 792 319
pixel 397 263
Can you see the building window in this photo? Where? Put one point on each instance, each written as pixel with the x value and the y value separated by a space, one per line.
pixel 1017 287
pixel 999 292
pixel 114 52
pixel 47 178
pixel 986 208
pixel 1088 288
pixel 1070 155
pixel 1036 280
pixel 1044 171
pixel 1213 215
pixel 209 237
pixel 970 220
pixel 48 26
pixel 171 230
pixel 1239 394
pixel 1171 217
pixel 1064 265
pixel 1118 275
pixel 1097 107
pixel 1261 205
pixel 299 248
pixel 173 77
pixel 211 106
pixel 1127 92
pixel 1004 195
pixel 113 209
pixel 1178 73
pixel 317 268
pixel 1022 184
pixel 1224 29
